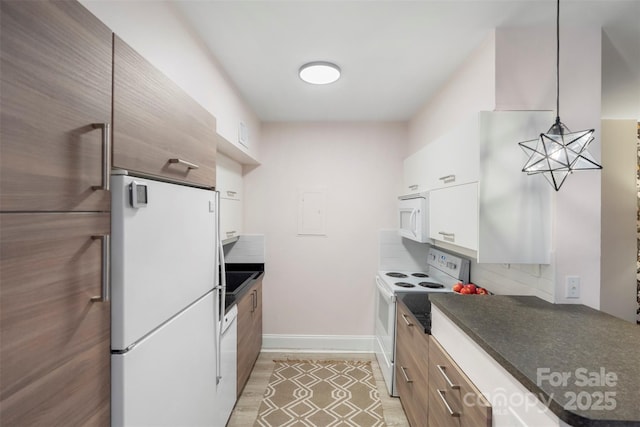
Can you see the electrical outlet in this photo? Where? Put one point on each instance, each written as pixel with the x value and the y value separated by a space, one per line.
pixel 573 287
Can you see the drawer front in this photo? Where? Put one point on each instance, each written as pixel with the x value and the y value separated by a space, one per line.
pixel 412 374
pixel 158 130
pixel 454 396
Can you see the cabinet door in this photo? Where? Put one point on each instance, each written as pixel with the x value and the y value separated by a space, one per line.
pixel 454 157
pixel 416 172
pixel 229 177
pixel 249 332
pixel 453 215
pixel 453 399
pixel 230 218
pixel 158 130
pixel 411 365
pixel 55 83
pixel 55 350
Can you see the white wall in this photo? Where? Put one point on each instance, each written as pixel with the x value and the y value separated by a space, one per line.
pixel 156 30
pixel 324 285
pixel 469 90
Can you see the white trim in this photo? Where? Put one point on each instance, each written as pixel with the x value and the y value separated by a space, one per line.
pixel 319 343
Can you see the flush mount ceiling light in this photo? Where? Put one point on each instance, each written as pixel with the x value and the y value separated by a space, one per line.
pixel 559 152
pixel 319 72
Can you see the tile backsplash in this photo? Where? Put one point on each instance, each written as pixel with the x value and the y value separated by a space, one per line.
pixel 397 253
pixel 248 249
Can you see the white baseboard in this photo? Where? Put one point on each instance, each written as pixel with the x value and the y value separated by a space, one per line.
pixel 318 343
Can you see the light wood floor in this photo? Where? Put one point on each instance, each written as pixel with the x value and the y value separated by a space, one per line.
pixel 246 410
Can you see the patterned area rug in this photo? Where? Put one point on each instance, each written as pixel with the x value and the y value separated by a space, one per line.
pixel 321 394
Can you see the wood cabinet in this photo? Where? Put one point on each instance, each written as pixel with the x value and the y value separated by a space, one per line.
pixel 453 215
pixel 158 130
pixel 453 399
pixel 249 332
pixel 55 107
pixel 411 366
pixel 55 355
pixel 229 183
pixel 55 84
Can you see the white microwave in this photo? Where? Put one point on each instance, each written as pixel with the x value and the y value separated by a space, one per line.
pixel 413 214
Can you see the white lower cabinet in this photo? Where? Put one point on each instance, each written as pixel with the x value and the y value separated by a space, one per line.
pixel 453 215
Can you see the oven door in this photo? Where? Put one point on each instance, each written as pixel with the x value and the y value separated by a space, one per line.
pixel 385 313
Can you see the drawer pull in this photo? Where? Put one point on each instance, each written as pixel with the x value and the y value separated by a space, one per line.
pixel 404 372
pixel 444 374
pixel 189 165
pixel 231 233
pixel 404 316
pixel 413 187
pixel 446 234
pixel 231 193
pixel 448 178
pixel 444 400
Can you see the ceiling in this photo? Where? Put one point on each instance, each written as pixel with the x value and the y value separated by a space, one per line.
pixel 394 55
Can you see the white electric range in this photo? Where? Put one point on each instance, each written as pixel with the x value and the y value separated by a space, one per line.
pixel 441 272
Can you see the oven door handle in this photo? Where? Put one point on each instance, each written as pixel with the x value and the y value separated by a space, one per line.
pixel 386 293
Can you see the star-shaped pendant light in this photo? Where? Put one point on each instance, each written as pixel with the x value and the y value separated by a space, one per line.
pixel 559 152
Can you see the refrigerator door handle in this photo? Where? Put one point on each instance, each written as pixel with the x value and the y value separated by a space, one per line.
pixel 222 289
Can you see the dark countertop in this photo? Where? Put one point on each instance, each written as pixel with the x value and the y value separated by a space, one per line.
pixel 232 297
pixel 524 333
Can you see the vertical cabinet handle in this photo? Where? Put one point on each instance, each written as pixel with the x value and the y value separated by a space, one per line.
pixel 189 165
pixel 444 374
pixel 106 267
pixel 106 155
pixel 253 301
pixel 444 400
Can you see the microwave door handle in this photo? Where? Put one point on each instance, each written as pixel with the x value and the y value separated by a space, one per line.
pixel 413 222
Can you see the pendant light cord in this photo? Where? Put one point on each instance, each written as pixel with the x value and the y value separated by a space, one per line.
pixel 558 62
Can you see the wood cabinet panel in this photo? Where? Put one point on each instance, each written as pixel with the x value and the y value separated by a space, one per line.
pixel 450 386
pixel 412 375
pixel 55 83
pixel 249 332
pixel 55 349
pixel 155 121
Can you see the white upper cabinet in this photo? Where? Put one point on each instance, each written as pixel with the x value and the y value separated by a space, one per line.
pixel 453 215
pixel 229 183
pixel 453 158
pixel 415 172
pixel 479 198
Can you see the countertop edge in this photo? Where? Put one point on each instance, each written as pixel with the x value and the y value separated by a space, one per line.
pixel 555 407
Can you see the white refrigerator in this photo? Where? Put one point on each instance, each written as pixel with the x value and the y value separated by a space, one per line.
pixel 166 367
